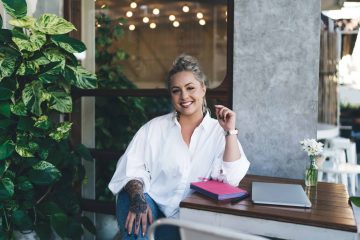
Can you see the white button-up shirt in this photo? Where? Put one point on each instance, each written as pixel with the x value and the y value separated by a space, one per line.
pixel 159 157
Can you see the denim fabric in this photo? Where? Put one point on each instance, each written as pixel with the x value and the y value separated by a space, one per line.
pixel 122 210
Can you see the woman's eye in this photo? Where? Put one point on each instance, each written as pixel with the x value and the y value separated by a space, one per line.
pixel 175 91
pixel 190 88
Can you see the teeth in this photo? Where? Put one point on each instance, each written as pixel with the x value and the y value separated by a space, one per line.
pixel 186 104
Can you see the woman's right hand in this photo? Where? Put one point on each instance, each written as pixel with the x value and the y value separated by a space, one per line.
pixel 137 218
pixel 139 211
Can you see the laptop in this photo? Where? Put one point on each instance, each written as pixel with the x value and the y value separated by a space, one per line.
pixel 279 194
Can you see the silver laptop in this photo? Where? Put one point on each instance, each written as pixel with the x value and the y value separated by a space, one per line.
pixel 279 194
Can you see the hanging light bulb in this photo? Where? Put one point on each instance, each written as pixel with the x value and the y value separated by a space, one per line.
pixel 145 19
pixel 132 27
pixel 156 11
pixel 172 17
pixel 176 24
pixel 133 5
pixel 129 14
pixel 202 22
pixel 199 15
pixel 103 6
pixel 152 25
pixel 185 8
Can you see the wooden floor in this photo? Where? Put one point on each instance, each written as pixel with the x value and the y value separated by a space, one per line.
pixel 330 207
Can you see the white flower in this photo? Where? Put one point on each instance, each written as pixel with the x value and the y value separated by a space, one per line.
pixel 312 147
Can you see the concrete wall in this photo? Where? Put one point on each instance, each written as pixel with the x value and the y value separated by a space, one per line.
pixel 276 64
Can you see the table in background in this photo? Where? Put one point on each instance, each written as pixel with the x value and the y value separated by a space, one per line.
pixel 330 217
pixel 326 131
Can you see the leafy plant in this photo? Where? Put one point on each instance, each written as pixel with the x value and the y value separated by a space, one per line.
pixel 117 118
pixel 40 171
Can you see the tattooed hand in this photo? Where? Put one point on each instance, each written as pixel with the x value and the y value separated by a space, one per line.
pixel 139 211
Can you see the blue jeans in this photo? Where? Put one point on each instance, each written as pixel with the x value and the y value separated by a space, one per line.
pixel 122 210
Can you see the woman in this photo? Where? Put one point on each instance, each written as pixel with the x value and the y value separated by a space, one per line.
pixel 173 150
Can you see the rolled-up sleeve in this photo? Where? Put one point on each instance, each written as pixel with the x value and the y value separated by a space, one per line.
pixel 133 164
pixel 232 172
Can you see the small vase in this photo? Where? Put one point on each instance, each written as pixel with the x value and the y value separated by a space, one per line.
pixel 311 173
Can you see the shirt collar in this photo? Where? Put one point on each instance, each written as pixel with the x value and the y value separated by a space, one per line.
pixel 205 123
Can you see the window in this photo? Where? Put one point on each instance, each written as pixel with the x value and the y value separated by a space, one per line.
pixel 152 33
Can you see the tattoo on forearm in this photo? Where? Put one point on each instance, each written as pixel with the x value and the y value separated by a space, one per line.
pixel 138 205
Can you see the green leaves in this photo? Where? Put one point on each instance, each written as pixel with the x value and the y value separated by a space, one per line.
pixel 53 25
pixel 52 72
pixel 5 109
pixel 33 95
pixel 83 152
pixel 61 132
pixel 32 43
pixel 5 93
pixel 6 149
pixel 21 220
pixel 6 189
pixel 43 122
pixel 18 109
pixel 24 184
pixel 8 58
pixel 61 102
pixel 15 8
pixel 355 200
pixel 59 223
pixel 5 36
pixel 34 148
pixel 44 173
pixel 70 44
pixel 80 77
pixel 26 22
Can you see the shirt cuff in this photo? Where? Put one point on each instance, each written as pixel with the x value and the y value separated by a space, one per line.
pixel 235 170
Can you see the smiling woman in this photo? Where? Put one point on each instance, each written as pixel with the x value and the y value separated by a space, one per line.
pixel 173 150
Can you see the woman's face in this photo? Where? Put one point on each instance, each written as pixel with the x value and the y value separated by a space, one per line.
pixel 187 93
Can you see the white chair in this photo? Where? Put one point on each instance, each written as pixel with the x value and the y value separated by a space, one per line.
pixel 340 163
pixel 190 230
pixel 350 151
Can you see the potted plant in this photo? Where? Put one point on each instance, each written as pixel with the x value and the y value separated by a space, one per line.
pixel 40 171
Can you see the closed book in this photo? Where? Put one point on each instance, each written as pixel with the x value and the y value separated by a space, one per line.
pixel 218 190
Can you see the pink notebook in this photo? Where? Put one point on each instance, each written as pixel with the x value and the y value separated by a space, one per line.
pixel 218 190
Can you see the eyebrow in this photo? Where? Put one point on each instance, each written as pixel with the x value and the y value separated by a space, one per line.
pixel 185 85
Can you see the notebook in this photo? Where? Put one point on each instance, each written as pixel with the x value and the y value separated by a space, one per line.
pixel 279 194
pixel 218 190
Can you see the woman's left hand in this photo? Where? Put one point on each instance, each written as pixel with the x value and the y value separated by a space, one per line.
pixel 226 117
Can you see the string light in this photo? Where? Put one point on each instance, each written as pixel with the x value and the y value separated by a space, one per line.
pixel 145 19
pixel 199 15
pixel 152 25
pixel 129 14
pixel 132 27
pixel 185 8
pixel 156 11
pixel 103 6
pixel 176 24
pixel 202 22
pixel 133 5
pixel 172 17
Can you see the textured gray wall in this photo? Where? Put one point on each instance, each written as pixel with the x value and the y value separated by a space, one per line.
pixel 276 69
